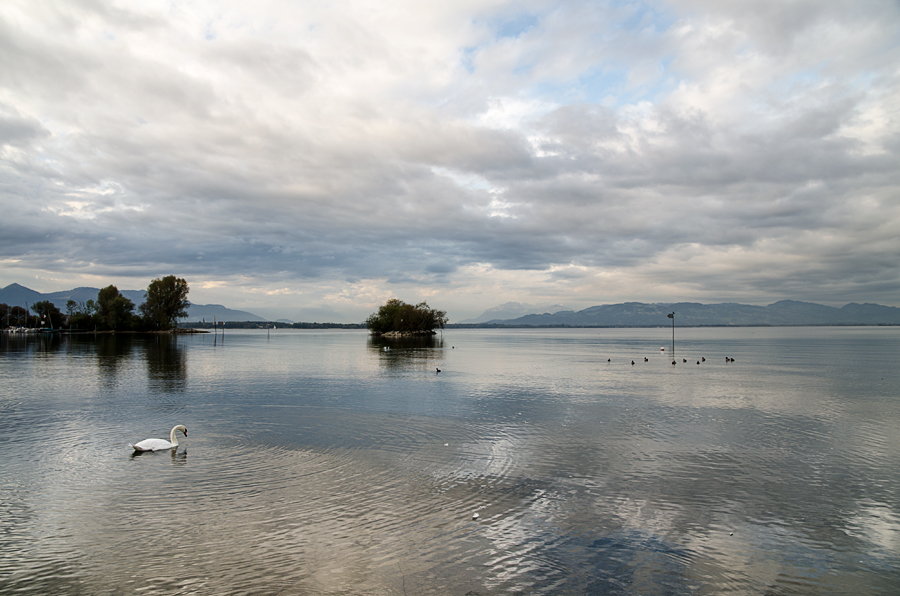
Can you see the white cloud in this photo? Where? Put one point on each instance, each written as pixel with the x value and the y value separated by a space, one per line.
pixel 270 153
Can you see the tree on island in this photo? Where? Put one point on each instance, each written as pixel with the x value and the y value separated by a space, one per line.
pixel 165 302
pixel 396 316
pixel 115 311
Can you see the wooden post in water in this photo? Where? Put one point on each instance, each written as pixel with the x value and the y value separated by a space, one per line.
pixel 671 315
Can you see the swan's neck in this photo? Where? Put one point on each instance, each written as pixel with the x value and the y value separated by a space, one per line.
pixel 172 438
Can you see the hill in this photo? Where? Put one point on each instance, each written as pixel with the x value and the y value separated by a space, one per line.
pixel 512 310
pixel 785 312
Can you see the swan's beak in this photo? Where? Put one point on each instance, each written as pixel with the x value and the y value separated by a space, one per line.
pixel 185 432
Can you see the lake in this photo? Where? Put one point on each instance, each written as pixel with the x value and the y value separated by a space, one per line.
pixel 327 462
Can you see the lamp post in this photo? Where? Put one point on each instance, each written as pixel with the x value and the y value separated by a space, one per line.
pixel 671 315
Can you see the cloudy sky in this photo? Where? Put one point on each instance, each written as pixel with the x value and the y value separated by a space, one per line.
pixel 287 154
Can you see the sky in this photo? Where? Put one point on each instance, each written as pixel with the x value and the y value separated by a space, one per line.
pixel 287 155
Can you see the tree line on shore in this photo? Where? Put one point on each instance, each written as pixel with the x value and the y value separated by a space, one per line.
pixel 165 301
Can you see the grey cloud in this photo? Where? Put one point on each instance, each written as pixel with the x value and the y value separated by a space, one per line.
pixel 252 160
pixel 18 131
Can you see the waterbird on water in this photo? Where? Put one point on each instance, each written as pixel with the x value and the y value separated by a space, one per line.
pixel 159 444
pixel 645 359
pixel 437 370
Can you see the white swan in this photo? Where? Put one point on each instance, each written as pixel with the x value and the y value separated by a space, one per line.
pixel 159 444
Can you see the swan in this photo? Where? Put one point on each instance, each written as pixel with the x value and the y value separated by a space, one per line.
pixel 159 444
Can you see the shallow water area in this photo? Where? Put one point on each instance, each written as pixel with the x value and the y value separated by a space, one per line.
pixel 328 462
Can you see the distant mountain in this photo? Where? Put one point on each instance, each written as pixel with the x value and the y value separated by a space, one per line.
pixel 17 295
pixel 217 312
pixel 785 312
pixel 85 294
pixel 512 310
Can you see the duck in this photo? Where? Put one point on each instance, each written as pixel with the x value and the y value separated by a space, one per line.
pixel 437 370
pixel 160 444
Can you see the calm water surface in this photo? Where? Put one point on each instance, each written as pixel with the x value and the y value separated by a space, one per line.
pixel 321 463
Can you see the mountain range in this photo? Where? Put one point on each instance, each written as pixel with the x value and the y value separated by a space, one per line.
pixel 513 310
pixel 18 295
pixel 784 312
pixel 627 314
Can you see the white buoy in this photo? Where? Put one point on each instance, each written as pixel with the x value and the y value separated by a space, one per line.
pixel 474 516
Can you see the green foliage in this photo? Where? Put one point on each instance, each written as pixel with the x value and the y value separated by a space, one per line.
pixel 20 315
pixel 15 316
pixel 81 314
pixel 115 311
pixel 396 315
pixel 165 302
pixel 48 313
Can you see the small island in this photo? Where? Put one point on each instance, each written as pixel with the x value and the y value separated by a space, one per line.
pixel 398 319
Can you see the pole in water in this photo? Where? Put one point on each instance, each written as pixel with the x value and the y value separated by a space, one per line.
pixel 671 315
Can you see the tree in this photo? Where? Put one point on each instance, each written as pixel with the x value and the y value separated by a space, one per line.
pixel 114 310
pixel 396 315
pixel 165 302
pixel 49 314
pixel 17 316
pixel 80 314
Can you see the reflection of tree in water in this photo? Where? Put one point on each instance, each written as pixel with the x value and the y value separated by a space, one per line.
pixel 33 343
pixel 407 352
pixel 112 351
pixel 166 364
